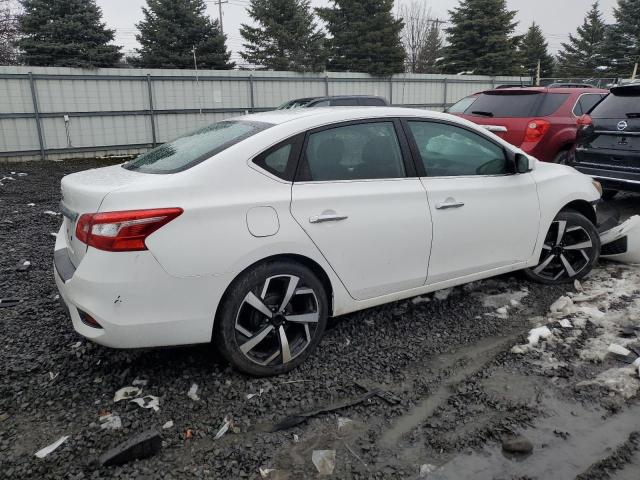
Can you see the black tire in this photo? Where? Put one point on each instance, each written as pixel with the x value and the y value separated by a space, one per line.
pixel 252 341
pixel 609 194
pixel 561 157
pixel 572 248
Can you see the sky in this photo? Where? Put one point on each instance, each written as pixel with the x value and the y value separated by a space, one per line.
pixel 557 18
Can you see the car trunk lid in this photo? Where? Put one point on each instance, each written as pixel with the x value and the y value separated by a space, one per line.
pixel 83 192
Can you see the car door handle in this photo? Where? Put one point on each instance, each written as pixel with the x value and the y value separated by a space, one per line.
pixel 328 217
pixel 449 203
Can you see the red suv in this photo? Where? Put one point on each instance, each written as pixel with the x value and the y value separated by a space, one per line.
pixel 542 121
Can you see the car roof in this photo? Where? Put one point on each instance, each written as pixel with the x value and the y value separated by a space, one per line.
pixel 508 91
pixel 337 114
pixel 332 97
pixel 628 88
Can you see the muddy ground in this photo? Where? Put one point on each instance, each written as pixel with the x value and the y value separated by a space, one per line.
pixel 449 359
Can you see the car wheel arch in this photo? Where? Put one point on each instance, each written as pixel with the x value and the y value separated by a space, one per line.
pixel 303 260
pixel 582 207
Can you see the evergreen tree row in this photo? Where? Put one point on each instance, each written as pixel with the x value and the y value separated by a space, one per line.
pixel 354 35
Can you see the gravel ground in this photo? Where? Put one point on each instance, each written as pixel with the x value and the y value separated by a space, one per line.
pixel 448 360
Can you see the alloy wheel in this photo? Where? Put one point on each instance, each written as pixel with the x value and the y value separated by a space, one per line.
pixel 567 251
pixel 276 321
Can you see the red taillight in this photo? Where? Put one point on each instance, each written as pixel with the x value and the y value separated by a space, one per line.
pixel 536 129
pixel 584 121
pixel 122 231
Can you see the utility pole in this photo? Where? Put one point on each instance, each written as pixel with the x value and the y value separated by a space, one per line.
pixel 220 2
pixel 195 66
pixel 635 71
pixel 538 73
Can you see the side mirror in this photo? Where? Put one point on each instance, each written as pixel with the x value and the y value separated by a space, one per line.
pixel 523 163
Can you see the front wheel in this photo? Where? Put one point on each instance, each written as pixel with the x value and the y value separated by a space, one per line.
pixel 272 318
pixel 571 249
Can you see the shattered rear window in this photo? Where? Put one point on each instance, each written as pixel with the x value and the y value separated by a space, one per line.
pixel 195 147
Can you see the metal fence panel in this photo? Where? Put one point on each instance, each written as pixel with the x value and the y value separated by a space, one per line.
pixel 57 113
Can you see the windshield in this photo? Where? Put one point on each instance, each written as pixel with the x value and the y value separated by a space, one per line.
pixel 195 147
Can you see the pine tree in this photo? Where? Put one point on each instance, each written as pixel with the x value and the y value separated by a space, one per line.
pixel 65 33
pixel 430 54
pixel 286 38
pixel 481 39
pixel 534 48
pixel 172 29
pixel 8 33
pixel 364 37
pixel 582 55
pixel 622 41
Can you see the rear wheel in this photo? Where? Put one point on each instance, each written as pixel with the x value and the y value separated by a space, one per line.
pixel 562 157
pixel 272 318
pixel 571 248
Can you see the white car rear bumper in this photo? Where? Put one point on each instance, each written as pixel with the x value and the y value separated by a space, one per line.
pixel 136 302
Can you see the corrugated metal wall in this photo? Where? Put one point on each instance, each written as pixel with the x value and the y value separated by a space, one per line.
pixel 56 113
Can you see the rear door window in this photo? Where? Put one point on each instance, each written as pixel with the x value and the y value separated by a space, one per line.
pixel 195 147
pixel 353 152
pixel 550 104
pixel 513 104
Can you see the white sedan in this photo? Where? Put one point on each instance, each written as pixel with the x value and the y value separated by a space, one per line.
pixel 252 231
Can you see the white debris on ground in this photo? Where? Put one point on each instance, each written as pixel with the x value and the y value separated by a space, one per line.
pixel 126 393
pixel 226 426
pixel 537 333
pixel 343 422
pixel 110 421
pixel 324 460
pixel 50 448
pixel 49 212
pixel 167 425
pixel 148 401
pixel 138 382
pixel 426 469
pixel 249 396
pixel 440 295
pixel 193 392
pixel 609 300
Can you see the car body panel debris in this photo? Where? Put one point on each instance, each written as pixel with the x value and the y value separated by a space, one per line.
pixel 50 448
pixel 142 446
pixel 298 418
pixel 126 393
pixel 622 243
pixel 324 460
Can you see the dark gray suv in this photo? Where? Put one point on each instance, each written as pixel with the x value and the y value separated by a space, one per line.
pixel 337 101
pixel 608 141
